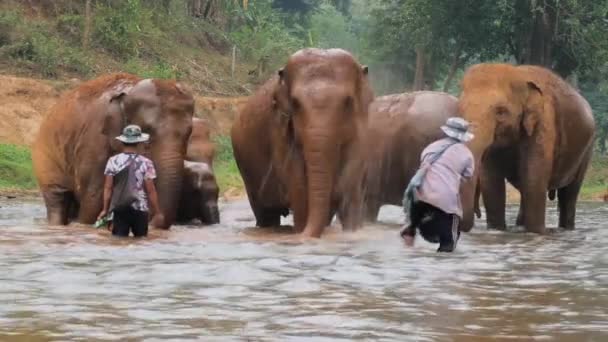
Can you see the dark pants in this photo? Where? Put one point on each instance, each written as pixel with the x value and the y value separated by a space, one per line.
pixel 126 220
pixel 435 225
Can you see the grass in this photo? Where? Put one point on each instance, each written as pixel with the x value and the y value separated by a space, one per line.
pixel 596 179
pixel 226 171
pixel 16 168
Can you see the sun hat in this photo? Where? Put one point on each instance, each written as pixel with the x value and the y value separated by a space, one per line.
pixel 457 128
pixel 132 134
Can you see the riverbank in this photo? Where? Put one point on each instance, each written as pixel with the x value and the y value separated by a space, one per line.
pixel 17 179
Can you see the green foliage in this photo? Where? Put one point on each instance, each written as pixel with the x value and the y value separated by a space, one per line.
pixel 331 29
pixel 264 37
pixel 16 167
pixel 121 27
pixel 223 147
pixel 161 69
pixel 34 45
pixel 225 168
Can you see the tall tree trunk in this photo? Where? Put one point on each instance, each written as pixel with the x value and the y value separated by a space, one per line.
pixel 88 22
pixel 196 8
pixel 420 65
pixel 541 41
pixel 429 73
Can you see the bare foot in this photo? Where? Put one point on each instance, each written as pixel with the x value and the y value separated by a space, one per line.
pixel 408 240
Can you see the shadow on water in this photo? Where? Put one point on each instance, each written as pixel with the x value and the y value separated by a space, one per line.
pixel 233 282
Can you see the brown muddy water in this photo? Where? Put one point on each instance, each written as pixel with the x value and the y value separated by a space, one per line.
pixel 231 283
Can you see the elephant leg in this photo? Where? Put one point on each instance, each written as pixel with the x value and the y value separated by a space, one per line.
pixel 493 190
pixel 372 208
pixel 269 217
pixel 90 206
pixel 520 215
pixel 534 196
pixel 57 204
pixel 566 201
pixel 298 199
pixel 350 211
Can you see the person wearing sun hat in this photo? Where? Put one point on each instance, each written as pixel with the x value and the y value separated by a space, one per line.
pixel 432 196
pixel 132 171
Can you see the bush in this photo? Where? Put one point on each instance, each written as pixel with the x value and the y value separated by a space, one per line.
pixel 8 20
pixel 38 47
pixel 226 171
pixel 16 167
pixel 330 29
pixel 264 38
pixel 117 28
pixel 161 69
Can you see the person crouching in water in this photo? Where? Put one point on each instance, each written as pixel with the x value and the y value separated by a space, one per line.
pixel 129 182
pixel 432 196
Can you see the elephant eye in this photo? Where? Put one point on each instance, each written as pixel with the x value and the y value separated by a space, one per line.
pixel 502 111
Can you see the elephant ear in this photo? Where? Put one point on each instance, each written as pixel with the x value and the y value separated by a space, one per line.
pixel 365 91
pixel 281 94
pixel 533 107
pixel 114 119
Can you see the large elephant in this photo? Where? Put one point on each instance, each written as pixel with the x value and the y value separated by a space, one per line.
pixel 298 142
pixel 532 129
pixel 199 190
pixel 400 127
pixel 77 138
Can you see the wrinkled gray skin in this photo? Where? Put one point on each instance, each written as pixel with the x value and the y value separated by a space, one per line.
pixel 400 127
pixel 199 194
pixel 199 190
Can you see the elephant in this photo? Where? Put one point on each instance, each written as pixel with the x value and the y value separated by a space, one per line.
pixel 400 127
pixel 532 129
pixel 199 189
pixel 298 142
pixel 77 137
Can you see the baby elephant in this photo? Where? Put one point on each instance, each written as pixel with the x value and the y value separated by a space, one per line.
pixel 199 189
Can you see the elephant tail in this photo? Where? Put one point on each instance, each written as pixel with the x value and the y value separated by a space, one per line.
pixel 552 194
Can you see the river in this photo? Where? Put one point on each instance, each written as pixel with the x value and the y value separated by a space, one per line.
pixel 233 283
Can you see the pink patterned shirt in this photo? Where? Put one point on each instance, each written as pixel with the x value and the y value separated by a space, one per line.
pixel 145 171
pixel 441 184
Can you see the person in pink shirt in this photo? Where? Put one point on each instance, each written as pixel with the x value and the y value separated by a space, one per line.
pixel 437 210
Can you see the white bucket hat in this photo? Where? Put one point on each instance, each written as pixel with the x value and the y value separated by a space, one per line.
pixel 132 135
pixel 457 128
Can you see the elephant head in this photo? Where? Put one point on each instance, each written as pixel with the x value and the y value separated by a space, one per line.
pixel 202 189
pixel 163 109
pixel 502 105
pixel 324 96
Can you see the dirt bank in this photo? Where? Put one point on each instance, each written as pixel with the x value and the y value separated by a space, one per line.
pixel 25 101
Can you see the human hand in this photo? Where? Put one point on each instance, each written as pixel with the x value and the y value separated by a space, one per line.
pixel 102 214
pixel 158 220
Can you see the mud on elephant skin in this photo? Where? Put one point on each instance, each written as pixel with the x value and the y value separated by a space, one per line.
pixel 532 129
pixel 400 127
pixel 298 142
pixel 200 191
pixel 77 138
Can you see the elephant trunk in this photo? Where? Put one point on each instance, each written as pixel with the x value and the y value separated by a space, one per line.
pixel 211 213
pixel 320 154
pixel 484 137
pixel 169 166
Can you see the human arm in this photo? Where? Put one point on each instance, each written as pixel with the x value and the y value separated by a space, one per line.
pixel 469 166
pixel 152 195
pixel 107 195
